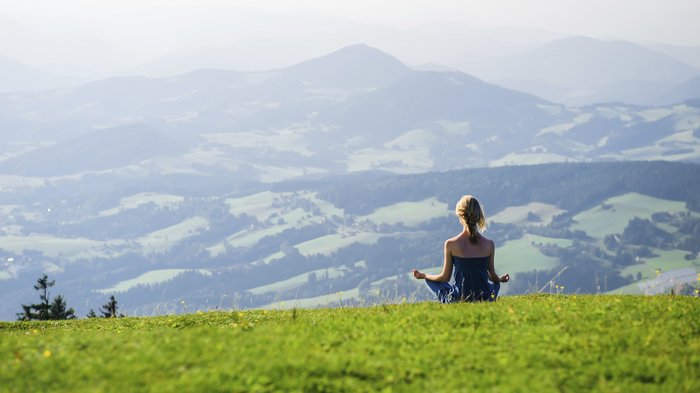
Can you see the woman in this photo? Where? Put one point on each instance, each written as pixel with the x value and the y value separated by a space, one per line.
pixel 470 256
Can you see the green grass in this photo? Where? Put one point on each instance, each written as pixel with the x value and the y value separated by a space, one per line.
pixel 519 344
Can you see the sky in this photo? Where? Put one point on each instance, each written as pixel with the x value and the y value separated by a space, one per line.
pixel 668 21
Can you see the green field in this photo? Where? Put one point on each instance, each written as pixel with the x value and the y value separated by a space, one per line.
pixel 298 280
pixel 408 153
pixel 164 239
pixel 317 301
pixel 67 248
pixel 518 214
pixel 134 201
pixel 329 244
pixel 614 214
pixel 522 255
pixel 409 213
pixel 519 344
pixel 150 278
pixel 666 260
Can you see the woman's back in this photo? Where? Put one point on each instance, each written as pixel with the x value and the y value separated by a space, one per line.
pixel 472 278
pixel 461 246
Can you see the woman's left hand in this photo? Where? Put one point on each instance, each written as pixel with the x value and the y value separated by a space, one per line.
pixel 418 275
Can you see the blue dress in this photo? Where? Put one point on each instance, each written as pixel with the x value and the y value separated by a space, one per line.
pixel 471 282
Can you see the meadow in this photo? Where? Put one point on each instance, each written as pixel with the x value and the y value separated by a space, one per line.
pixel 535 343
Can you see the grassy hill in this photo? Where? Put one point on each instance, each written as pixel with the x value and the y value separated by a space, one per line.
pixel 522 343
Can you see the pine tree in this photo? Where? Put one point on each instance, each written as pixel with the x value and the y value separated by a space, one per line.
pixel 26 314
pixel 46 310
pixel 59 309
pixel 92 314
pixel 42 309
pixel 109 310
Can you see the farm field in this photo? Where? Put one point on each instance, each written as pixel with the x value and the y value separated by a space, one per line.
pixel 535 343
pixel 522 255
pixel 613 215
pixel 150 278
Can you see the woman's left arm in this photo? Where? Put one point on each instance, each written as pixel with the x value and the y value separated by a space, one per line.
pixel 446 273
pixel 492 269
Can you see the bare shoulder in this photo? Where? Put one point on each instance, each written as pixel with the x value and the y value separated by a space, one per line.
pixel 488 243
pixel 449 243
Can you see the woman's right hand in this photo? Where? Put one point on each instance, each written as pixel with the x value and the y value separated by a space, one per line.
pixel 504 278
pixel 418 275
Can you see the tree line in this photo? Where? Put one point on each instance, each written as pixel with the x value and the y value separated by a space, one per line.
pixel 57 309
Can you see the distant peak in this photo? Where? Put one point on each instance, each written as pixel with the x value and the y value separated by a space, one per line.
pixel 363 51
pixel 354 64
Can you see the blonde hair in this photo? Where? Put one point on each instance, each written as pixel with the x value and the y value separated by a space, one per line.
pixel 471 215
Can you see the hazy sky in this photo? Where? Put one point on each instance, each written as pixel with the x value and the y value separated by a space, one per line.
pixel 670 21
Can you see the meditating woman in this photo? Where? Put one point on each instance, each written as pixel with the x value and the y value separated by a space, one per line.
pixel 470 256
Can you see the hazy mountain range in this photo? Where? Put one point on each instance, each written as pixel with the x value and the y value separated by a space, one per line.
pixel 354 109
pixel 547 64
pixel 580 70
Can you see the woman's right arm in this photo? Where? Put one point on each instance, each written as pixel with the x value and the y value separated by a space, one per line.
pixel 492 269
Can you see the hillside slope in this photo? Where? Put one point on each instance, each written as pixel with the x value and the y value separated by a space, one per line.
pixel 531 343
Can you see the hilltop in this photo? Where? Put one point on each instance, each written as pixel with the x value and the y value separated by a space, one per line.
pixel 525 343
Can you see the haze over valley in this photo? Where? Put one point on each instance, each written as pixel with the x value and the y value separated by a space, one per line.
pixel 308 168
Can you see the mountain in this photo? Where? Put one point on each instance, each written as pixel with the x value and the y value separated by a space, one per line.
pixel 20 77
pixel 354 109
pixel 355 66
pixel 78 56
pixel 421 99
pixel 573 70
pixel 434 67
pixel 100 150
pixel 687 54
